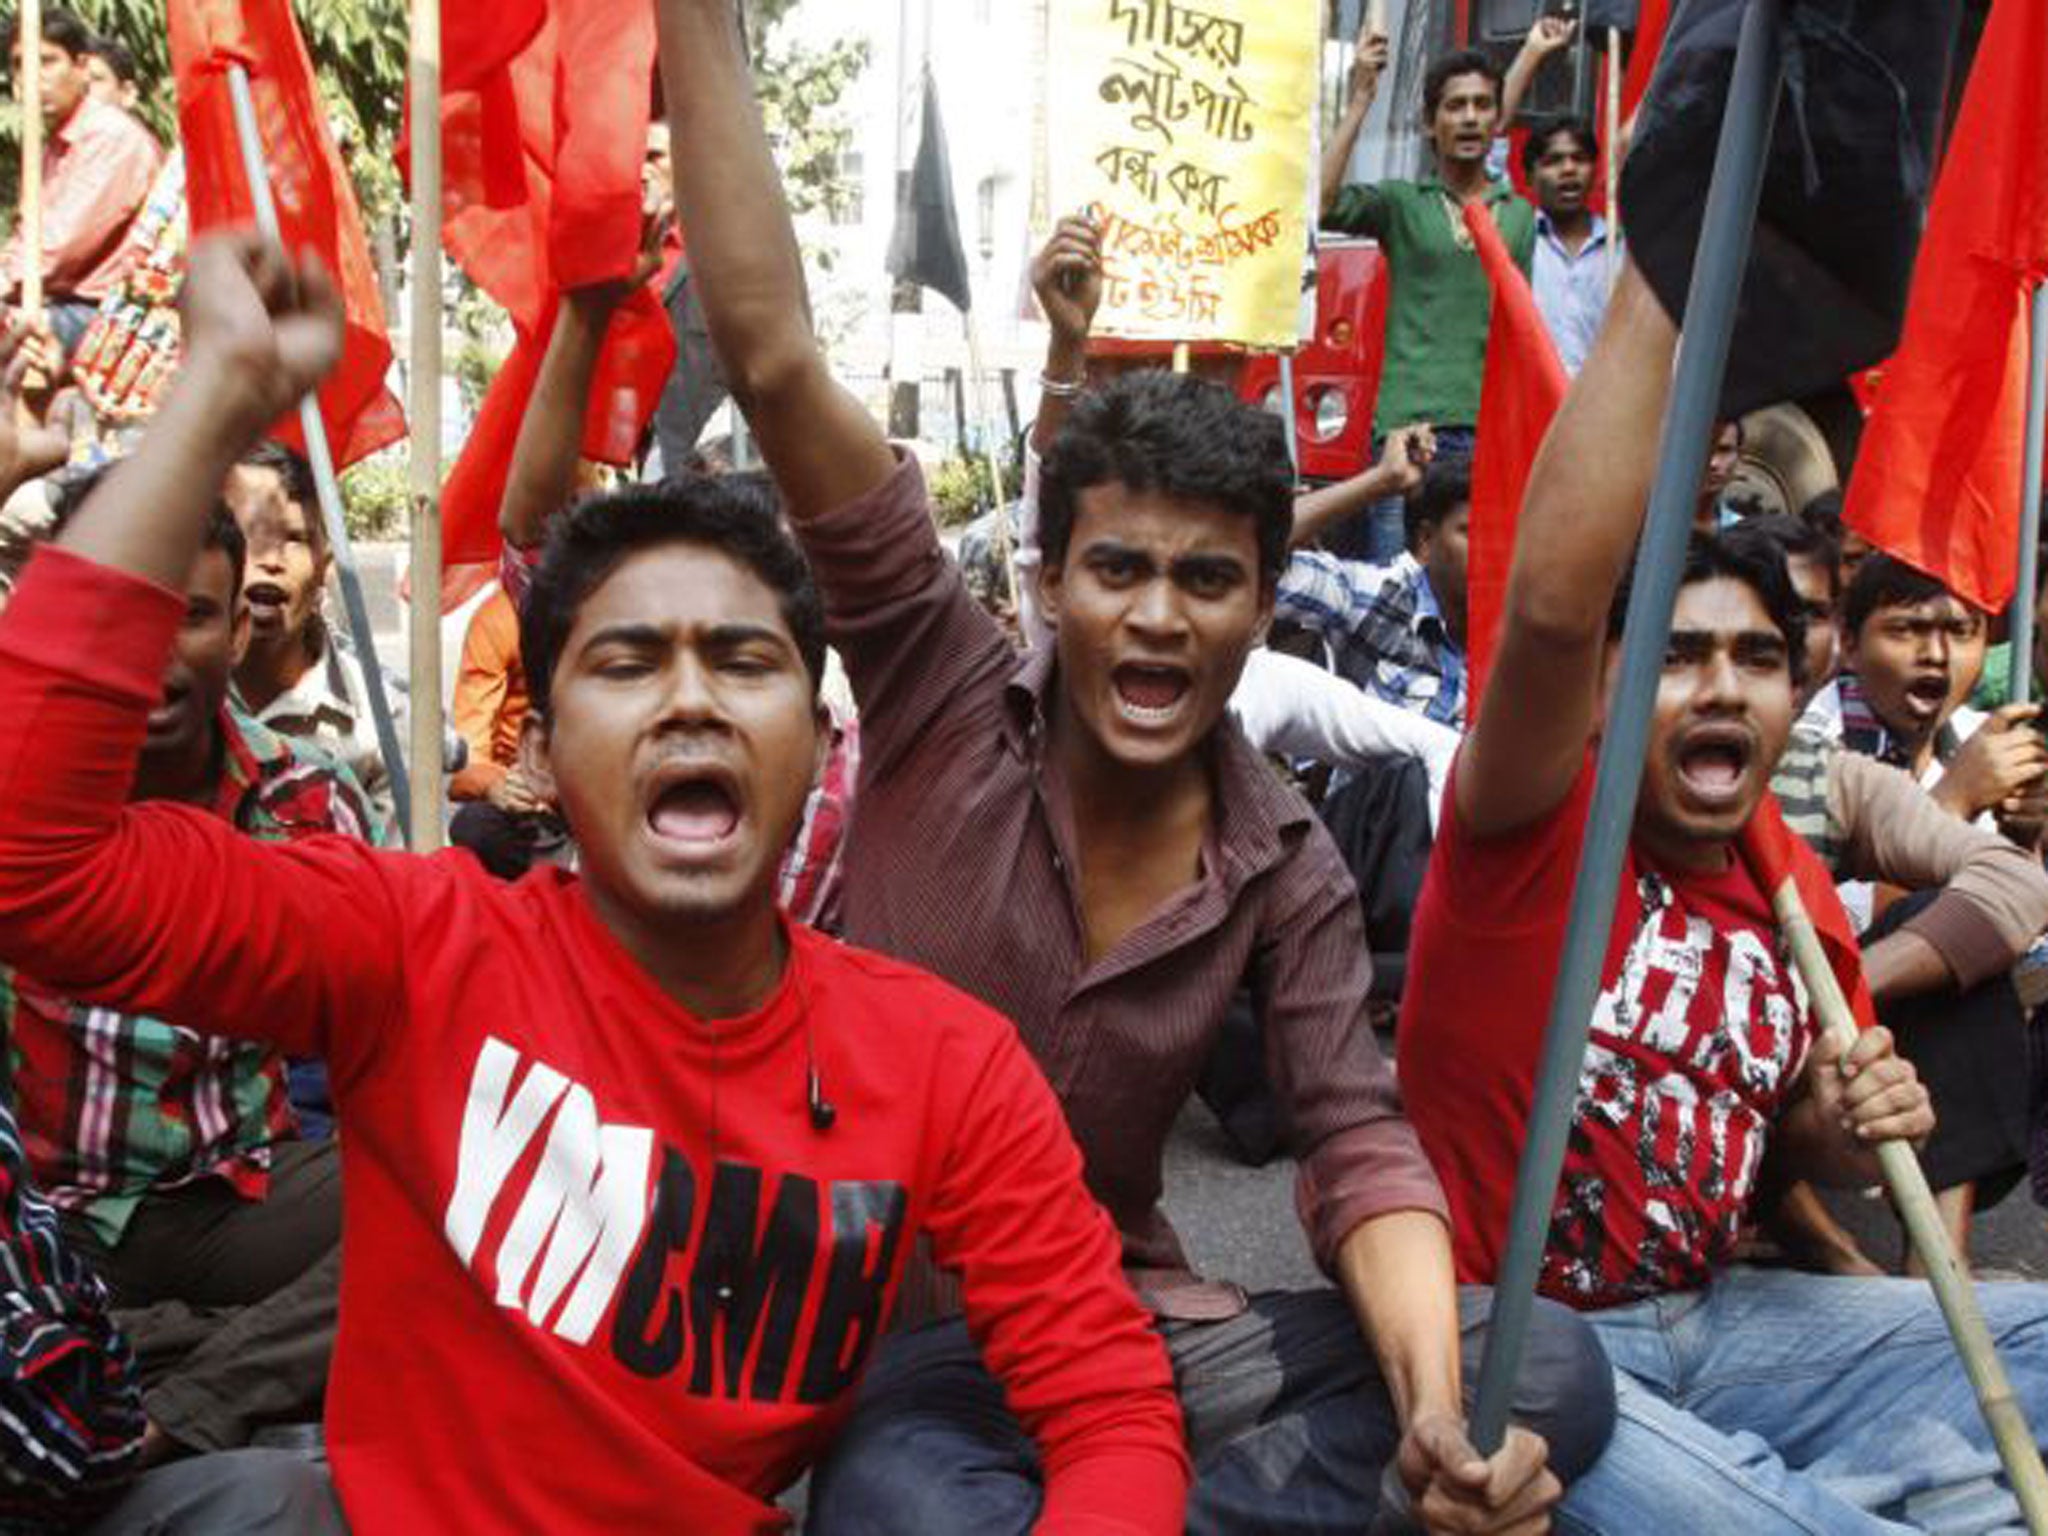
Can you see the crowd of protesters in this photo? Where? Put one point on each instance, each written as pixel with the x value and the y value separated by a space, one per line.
pixel 775 1080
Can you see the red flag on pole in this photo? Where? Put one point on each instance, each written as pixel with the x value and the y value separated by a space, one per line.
pixel 316 204
pixel 1937 478
pixel 1775 854
pixel 1519 393
pixel 542 158
pixel 1642 59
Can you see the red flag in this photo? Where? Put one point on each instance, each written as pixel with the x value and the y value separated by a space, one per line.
pixel 316 204
pixel 1651 17
pixel 1776 854
pixel 542 159
pixel 1937 478
pixel 1520 392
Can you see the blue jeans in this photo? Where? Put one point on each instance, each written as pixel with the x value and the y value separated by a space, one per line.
pixel 1777 1401
pixel 1288 1424
pixel 1378 532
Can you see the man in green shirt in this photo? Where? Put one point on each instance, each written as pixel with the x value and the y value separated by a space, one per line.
pixel 1437 314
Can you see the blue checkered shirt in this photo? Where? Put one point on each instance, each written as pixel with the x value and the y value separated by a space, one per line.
pixel 1385 629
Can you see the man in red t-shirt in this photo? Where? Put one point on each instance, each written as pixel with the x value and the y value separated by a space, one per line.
pixel 1748 1400
pixel 633 1165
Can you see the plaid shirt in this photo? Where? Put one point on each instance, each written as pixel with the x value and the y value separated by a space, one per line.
pixel 70 1415
pixel 1385 628
pixel 114 1105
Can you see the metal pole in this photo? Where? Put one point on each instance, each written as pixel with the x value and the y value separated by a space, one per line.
pixel 2024 595
pixel 424 387
pixel 1287 405
pixel 1709 324
pixel 314 428
pixel 30 41
pixel 1907 1182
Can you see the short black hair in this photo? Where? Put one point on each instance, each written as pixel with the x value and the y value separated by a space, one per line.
pixel 1758 564
pixel 1538 143
pixel 1797 538
pixel 120 61
pixel 1886 581
pixel 1466 61
pixel 225 534
pixel 296 475
pixel 1446 486
pixel 587 544
pixel 61 27
pixel 1183 437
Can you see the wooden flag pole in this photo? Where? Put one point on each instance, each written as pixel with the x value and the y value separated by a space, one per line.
pixel 2023 597
pixel 1610 138
pixel 1906 1181
pixel 30 41
pixel 321 458
pixel 1709 326
pixel 424 388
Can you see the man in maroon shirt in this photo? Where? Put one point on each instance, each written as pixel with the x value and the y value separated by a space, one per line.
pixel 1078 840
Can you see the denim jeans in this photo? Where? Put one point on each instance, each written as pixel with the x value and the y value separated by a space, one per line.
pixel 1778 1401
pixel 1378 532
pixel 1288 1424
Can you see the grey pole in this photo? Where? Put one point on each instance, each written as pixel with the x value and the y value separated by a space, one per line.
pixel 1708 327
pixel 329 489
pixel 2030 504
pixel 1288 405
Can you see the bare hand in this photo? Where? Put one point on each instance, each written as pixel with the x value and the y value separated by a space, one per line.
pixel 1368 63
pixel 28 447
pixel 2004 760
pixel 657 218
pixel 1452 1488
pixel 1873 1094
pixel 1067 277
pixel 1548 35
pixel 1405 455
pixel 515 796
pixel 260 329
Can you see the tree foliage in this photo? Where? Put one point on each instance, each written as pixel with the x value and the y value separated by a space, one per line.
pixel 800 89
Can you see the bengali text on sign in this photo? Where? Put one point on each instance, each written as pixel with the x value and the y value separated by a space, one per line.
pixel 1186 131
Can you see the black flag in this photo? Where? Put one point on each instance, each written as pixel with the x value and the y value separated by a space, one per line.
pixel 1848 177
pixel 926 246
pixel 1609 15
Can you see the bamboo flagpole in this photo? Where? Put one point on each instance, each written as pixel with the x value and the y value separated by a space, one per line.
pixel 1709 325
pixel 320 456
pixel 2023 597
pixel 1906 1181
pixel 1006 552
pixel 1610 140
pixel 30 41
pixel 424 390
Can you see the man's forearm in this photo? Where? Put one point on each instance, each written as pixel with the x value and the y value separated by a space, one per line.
pixel 1316 511
pixel 1396 1269
pixel 1066 361
pixel 1903 964
pixel 820 444
pixel 1337 156
pixel 543 471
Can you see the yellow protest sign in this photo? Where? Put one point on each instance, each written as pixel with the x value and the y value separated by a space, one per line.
pixel 1186 129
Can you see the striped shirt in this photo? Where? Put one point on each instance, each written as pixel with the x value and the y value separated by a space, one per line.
pixel 70 1415
pixel 114 1105
pixel 1385 629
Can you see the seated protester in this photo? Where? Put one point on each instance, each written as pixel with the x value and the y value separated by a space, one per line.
pixel 1748 1400
pixel 1438 311
pixel 1397 630
pixel 638 1162
pixel 1568 268
pixel 1813 561
pixel 298 677
pixel 1913 652
pixel 73 1436
pixel 499 817
pixel 1079 839
pixel 547 473
pixel 172 1150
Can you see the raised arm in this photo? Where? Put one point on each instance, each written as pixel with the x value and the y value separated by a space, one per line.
pixel 1580 517
pixel 1367 62
pixel 1066 275
pixel 1545 38
pixel 819 441
pixel 1403 458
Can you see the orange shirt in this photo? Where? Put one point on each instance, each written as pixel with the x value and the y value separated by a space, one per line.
pixel 490 698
